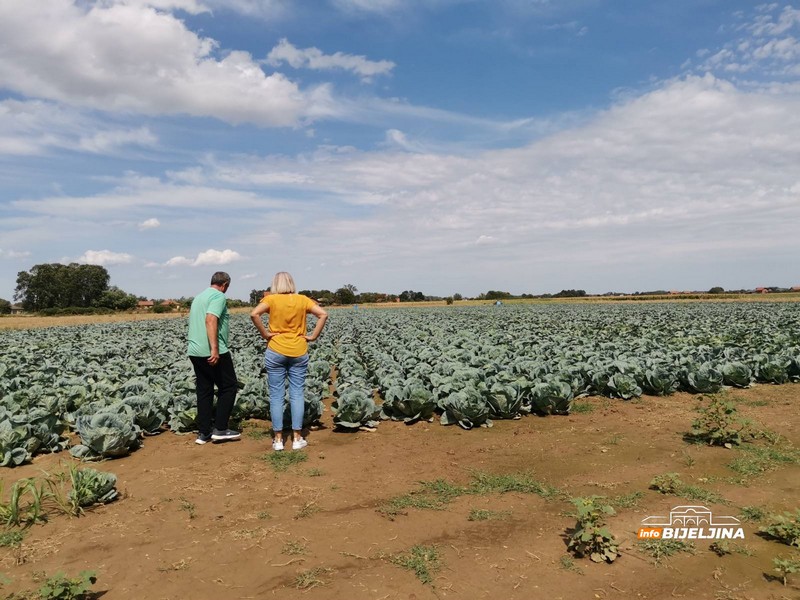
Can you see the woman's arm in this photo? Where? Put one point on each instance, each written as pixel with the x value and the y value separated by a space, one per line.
pixel 255 316
pixel 322 316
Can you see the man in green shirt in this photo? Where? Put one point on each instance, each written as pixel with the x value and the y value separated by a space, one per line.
pixel 209 327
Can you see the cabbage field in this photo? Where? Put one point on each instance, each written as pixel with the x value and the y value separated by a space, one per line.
pixel 115 384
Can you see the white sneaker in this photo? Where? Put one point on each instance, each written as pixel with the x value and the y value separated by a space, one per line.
pixel 277 445
pixel 299 444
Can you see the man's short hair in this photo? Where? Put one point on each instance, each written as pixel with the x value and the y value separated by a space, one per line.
pixel 220 278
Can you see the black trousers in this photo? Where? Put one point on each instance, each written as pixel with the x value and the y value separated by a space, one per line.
pixel 223 376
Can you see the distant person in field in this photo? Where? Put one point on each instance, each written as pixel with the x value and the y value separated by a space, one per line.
pixel 209 327
pixel 286 356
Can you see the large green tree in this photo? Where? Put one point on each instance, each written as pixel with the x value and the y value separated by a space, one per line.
pixel 54 285
pixel 5 307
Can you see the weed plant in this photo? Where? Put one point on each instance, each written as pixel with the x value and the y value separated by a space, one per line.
pixel 661 549
pixel 311 578
pixel 436 495
pixel 61 587
pixel 478 514
pixel 786 566
pixel 590 537
pixel 670 483
pixel 281 461
pixel 720 424
pixel 424 561
pixel 784 528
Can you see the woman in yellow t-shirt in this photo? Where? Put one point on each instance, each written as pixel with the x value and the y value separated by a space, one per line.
pixel 286 356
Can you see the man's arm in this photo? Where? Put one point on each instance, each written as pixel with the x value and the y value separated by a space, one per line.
pixel 212 324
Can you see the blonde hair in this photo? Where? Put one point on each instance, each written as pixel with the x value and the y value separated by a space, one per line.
pixel 283 283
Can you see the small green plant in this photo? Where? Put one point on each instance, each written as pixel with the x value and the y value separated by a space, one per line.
pixel 61 587
pixel 786 566
pixel 311 578
pixel 752 514
pixel 626 500
pixel 582 407
pixel 257 433
pixel 315 473
pixel 11 538
pixel 756 460
pixel 661 549
pixel 309 508
pixel 485 483
pixel 478 514
pixel 424 561
pixel 590 537
pixel 784 528
pixel 569 565
pixel 189 507
pixel 725 547
pixel 668 483
pixel 264 515
pixel 293 548
pixel 26 503
pixel 720 424
pixel 281 461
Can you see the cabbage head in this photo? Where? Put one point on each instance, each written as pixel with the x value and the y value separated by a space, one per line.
pixel 104 435
pixel 659 380
pixel 91 487
pixel 355 408
pixel 774 369
pixel 466 408
pixel 183 414
pixel 149 414
pixel 13 450
pixel 411 403
pixel 553 397
pixel 504 400
pixel 703 379
pixel 737 374
pixel 622 385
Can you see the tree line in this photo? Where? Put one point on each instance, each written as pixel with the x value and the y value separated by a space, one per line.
pixel 55 286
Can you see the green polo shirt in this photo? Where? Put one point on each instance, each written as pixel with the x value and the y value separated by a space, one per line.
pixel 209 302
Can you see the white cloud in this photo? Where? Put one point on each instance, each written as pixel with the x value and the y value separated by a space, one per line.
pixel 107 141
pixel 217 257
pixel 11 254
pixel 34 127
pixel 208 257
pixel 766 46
pixel 247 276
pixel 313 58
pixel 190 6
pixel 132 57
pixel 179 261
pixel 105 257
pixel 149 224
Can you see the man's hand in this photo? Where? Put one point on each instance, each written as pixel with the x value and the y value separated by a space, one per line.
pixel 213 359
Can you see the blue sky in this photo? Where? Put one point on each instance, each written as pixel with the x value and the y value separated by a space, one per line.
pixel 442 146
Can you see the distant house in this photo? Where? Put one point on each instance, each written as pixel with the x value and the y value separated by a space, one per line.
pixel 144 305
pixel 762 290
pixel 172 303
pixel 16 309
pixel 796 288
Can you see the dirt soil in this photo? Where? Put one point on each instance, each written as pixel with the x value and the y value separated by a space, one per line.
pixel 217 521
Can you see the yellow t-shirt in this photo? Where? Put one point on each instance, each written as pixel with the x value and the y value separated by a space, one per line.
pixel 287 318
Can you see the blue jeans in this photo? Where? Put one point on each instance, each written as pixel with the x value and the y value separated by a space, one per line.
pixel 278 368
